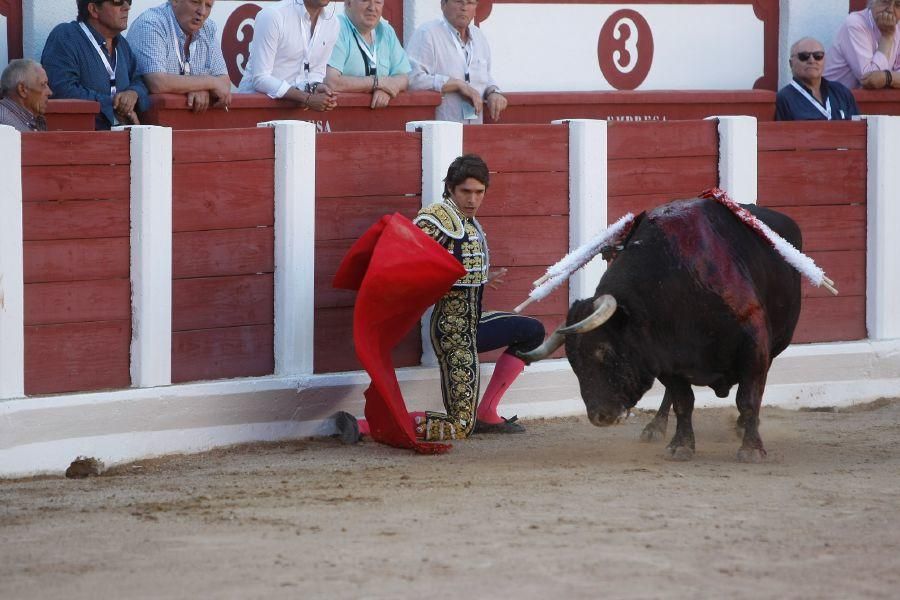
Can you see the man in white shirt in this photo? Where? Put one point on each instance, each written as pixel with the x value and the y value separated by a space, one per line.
pixel 292 41
pixel 452 56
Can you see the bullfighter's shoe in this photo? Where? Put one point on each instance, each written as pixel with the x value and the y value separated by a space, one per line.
pixel 506 426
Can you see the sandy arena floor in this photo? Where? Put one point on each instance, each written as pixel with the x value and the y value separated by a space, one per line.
pixel 566 509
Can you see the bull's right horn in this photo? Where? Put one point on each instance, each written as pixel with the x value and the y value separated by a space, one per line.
pixel 554 341
pixel 604 307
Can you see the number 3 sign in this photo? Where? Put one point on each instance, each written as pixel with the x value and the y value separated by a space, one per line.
pixel 625 49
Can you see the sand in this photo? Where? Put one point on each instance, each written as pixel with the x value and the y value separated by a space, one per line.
pixel 565 509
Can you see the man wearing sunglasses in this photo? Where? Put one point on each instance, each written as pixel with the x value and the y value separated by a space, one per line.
pixel 89 59
pixel 810 96
pixel 177 53
pixel 866 49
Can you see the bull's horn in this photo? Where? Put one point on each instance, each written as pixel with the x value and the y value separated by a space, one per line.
pixel 554 341
pixel 604 307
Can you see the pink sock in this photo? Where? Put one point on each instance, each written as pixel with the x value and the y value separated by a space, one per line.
pixel 506 370
pixel 364 425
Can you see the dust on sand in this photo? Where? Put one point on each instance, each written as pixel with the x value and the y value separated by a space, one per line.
pixel 566 508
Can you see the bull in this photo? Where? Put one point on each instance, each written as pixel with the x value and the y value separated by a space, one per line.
pixel 693 297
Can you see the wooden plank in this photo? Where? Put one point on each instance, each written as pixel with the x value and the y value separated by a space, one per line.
pixel 632 176
pixel 847 268
pixel 77 301
pixel 620 205
pixel 512 194
pixel 830 227
pixel 222 145
pixel 76 148
pixel 74 219
pixel 810 135
pixel 82 182
pixel 520 148
pixel 831 319
pixel 527 241
pixel 347 218
pixel 222 353
pixel 77 357
pixel 210 302
pixel 227 196
pixel 812 177
pixel 659 139
pixel 76 260
pixel 223 252
pixel 336 326
pixel 352 164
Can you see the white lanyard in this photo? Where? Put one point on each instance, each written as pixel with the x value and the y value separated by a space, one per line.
pixel 308 42
pixel 183 63
pixel 371 55
pixel 826 110
pixel 109 69
pixel 462 49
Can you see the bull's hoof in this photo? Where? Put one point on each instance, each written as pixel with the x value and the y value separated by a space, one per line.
pixel 653 432
pixel 679 453
pixel 751 455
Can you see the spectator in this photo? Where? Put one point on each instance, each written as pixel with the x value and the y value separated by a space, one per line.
pixel 810 96
pixel 24 93
pixel 89 59
pixel 292 41
pixel 177 53
pixel 368 56
pixel 866 49
pixel 452 56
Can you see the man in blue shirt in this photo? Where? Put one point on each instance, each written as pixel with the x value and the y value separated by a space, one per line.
pixel 810 96
pixel 177 53
pixel 368 56
pixel 89 59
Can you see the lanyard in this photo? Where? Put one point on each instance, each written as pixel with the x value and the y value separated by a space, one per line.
pixel 462 49
pixel 184 61
pixel 111 71
pixel 369 56
pixel 308 41
pixel 826 110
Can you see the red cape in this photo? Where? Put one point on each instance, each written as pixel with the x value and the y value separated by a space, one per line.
pixel 399 272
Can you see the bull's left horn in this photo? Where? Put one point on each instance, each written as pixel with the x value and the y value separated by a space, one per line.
pixel 604 307
pixel 554 341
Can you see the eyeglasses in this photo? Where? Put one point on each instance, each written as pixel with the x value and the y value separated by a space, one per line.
pixel 804 56
pixel 465 2
pixel 116 3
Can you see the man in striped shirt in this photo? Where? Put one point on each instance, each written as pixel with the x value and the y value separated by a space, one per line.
pixel 24 91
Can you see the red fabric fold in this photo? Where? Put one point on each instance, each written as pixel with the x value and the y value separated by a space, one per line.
pixel 399 272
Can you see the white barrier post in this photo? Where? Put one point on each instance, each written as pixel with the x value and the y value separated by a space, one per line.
pixel 12 300
pixel 883 215
pixel 588 199
pixel 295 245
pixel 442 142
pixel 737 158
pixel 151 255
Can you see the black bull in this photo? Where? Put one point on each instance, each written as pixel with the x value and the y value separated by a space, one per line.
pixel 694 297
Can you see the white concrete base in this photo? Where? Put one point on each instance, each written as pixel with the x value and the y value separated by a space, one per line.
pixel 43 435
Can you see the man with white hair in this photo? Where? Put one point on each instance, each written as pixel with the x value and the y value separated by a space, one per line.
pixel 452 56
pixel 866 49
pixel 177 53
pixel 25 92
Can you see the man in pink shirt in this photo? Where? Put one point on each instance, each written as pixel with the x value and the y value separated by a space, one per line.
pixel 866 49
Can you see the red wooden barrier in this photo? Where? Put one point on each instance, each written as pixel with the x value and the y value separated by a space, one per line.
pixel 353 112
pixel 71 115
pixel 654 163
pixel 816 173
pixel 526 212
pixel 544 107
pixel 75 217
pixel 223 249
pixel 359 178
